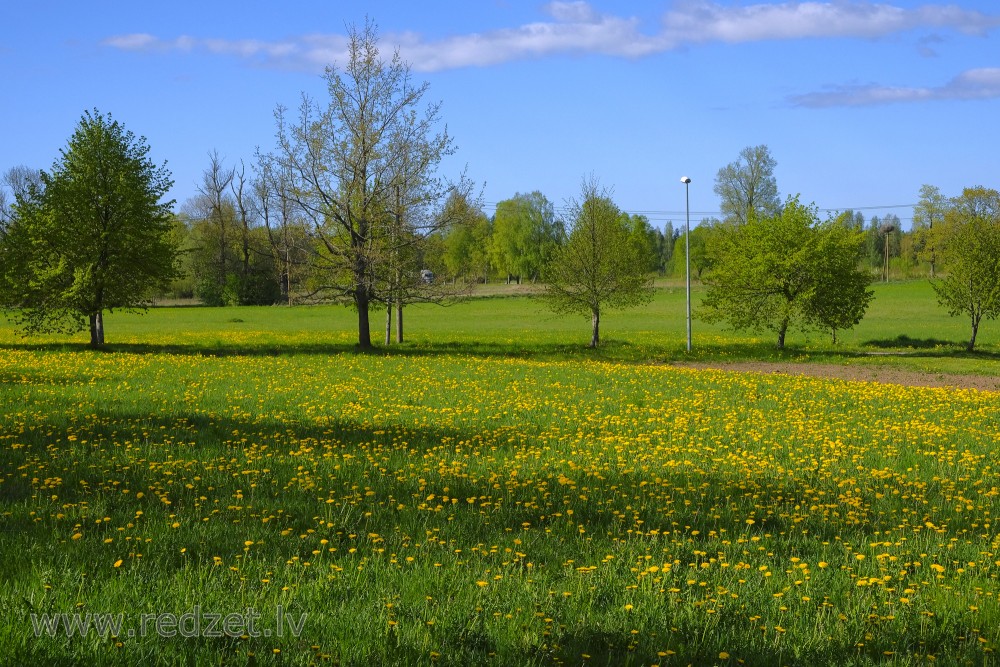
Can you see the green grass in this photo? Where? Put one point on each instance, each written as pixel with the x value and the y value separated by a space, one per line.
pixel 904 319
pixel 492 492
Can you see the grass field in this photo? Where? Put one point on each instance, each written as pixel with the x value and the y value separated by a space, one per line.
pixel 491 492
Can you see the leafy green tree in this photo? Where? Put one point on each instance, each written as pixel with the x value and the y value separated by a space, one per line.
pixel 600 266
pixel 183 284
pixel 701 257
pixel 466 251
pixel 970 245
pixel 747 187
pixel 840 296
pixel 929 210
pixel 666 249
pixel 94 236
pixel 646 239
pixel 526 233
pixel 776 272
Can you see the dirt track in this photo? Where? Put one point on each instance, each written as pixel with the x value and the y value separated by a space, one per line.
pixel 867 374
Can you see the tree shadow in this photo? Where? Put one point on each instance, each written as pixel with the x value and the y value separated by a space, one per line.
pixel 610 350
pixel 904 341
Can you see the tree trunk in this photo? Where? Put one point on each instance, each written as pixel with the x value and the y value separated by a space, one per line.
pixel 781 334
pixel 97 329
pixel 388 323
pixel 975 330
pixel 595 337
pixel 399 321
pixel 364 333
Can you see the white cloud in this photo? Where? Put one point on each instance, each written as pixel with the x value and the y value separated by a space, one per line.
pixel 135 42
pixel 579 11
pixel 975 84
pixel 699 21
pixel 576 28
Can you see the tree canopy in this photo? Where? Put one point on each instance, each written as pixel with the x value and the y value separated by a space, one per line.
pixel 525 234
pixel 747 187
pixel 362 170
pixel 970 244
pixel 94 234
pixel 772 273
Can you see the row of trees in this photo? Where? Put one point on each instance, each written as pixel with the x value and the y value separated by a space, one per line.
pixel 769 267
pixel 351 192
pixel 349 206
pixel 520 240
pixel 244 244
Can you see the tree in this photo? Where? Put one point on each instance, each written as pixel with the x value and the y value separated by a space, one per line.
pixel 466 242
pixel 95 235
pixel 287 234
pixel 700 242
pixel 219 210
pixel 646 240
pixel 840 295
pixel 361 165
pixel 16 182
pixel 747 187
pixel 970 245
pixel 787 270
pixel 525 235
pixel 600 266
pixel 930 209
pixel 666 249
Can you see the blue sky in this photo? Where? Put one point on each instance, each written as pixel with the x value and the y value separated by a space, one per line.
pixel 859 102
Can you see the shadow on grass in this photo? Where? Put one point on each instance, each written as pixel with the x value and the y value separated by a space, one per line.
pixel 115 439
pixel 904 341
pixel 340 459
pixel 611 350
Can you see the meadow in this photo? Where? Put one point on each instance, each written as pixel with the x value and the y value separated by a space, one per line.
pixel 492 492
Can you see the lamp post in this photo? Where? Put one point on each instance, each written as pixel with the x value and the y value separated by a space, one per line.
pixel 687 251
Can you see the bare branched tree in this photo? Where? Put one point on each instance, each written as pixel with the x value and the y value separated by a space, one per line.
pixel 363 173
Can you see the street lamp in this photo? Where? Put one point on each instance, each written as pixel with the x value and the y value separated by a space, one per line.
pixel 687 250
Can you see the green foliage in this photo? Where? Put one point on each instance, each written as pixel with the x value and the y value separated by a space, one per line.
pixel 218 275
pixel 701 258
pixel 526 234
pixel 93 236
pixel 970 245
pixel 787 270
pixel 930 210
pixel 840 294
pixel 601 265
pixel 466 244
pixel 647 241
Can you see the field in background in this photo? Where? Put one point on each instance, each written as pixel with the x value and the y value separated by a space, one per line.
pixel 904 326
pixel 491 492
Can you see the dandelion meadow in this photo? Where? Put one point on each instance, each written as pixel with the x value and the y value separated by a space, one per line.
pixel 440 506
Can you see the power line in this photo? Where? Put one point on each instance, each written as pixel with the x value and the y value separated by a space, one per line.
pixel 659 214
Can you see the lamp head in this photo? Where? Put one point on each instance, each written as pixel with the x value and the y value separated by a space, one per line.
pixel 685 180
